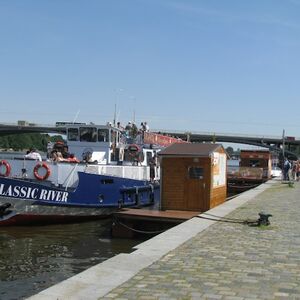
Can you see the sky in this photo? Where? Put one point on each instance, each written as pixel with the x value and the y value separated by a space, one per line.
pixel 189 65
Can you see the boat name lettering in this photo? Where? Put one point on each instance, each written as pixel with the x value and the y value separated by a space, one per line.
pixel 32 193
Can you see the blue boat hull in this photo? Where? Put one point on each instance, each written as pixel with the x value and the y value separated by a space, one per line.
pixel 96 196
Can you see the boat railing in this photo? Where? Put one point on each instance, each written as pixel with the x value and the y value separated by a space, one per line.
pixel 65 174
pixel 132 172
pixel 69 178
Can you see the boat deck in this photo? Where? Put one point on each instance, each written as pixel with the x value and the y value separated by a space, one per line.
pixel 169 215
pixel 133 222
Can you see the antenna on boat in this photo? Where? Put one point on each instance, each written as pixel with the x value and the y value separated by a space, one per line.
pixel 76 116
pixel 133 100
pixel 118 115
pixel 115 112
pixel 115 115
pixel 134 115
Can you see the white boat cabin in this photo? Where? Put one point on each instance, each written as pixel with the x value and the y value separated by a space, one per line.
pixel 99 149
pixel 105 144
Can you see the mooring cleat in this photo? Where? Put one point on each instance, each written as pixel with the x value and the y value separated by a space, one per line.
pixel 263 219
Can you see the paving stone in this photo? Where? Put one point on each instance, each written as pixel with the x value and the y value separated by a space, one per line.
pixel 231 261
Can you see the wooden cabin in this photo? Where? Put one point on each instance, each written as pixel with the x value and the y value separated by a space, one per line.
pixel 257 159
pixel 193 176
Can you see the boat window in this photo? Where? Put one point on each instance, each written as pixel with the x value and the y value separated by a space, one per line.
pixel 103 135
pixel 73 134
pixel 196 173
pixel 149 157
pixel 107 181
pixel 254 163
pixel 88 134
pixel 113 136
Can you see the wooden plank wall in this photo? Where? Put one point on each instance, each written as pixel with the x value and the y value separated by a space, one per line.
pixel 172 192
pixel 178 191
pixel 218 196
pixel 174 177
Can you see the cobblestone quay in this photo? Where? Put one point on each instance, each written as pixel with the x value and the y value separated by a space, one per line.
pixel 231 261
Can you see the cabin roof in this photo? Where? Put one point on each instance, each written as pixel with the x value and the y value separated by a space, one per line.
pixel 190 149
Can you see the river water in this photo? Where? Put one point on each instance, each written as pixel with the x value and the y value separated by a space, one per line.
pixel 34 258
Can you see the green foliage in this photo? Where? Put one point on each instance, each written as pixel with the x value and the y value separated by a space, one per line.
pixel 56 138
pixel 230 150
pixel 19 142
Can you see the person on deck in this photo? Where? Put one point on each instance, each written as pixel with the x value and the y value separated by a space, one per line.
pixel 146 127
pixel 134 130
pixel 128 126
pixel 128 129
pixel 298 170
pixel 152 165
pixel 65 152
pixel 142 127
pixel 33 154
pixel 120 126
pixel 286 169
pixel 56 156
pixel 72 159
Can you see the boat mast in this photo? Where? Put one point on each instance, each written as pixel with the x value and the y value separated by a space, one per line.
pixel 115 115
pixel 76 116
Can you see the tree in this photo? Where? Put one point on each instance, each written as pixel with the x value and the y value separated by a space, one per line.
pixel 230 150
pixel 20 142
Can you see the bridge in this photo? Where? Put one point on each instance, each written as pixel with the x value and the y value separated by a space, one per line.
pixel 274 143
pixel 6 129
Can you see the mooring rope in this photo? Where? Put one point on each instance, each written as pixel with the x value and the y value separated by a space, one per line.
pixel 137 230
pixel 245 222
pixel 224 218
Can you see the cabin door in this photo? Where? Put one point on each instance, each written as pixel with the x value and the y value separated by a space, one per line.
pixel 195 188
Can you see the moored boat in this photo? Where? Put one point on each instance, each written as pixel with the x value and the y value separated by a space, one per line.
pixel 113 169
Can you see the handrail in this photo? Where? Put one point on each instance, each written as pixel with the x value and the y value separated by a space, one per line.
pixel 214 133
pixel 70 176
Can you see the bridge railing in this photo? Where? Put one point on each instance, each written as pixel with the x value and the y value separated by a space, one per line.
pixel 212 133
pixel 29 124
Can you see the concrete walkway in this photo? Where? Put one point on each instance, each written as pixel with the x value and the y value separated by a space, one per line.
pixel 202 259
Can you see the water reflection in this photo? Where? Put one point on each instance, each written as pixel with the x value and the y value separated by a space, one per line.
pixel 33 258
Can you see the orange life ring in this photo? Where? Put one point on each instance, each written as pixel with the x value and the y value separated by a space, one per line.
pixel 133 148
pixel 36 171
pixel 135 153
pixel 6 166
